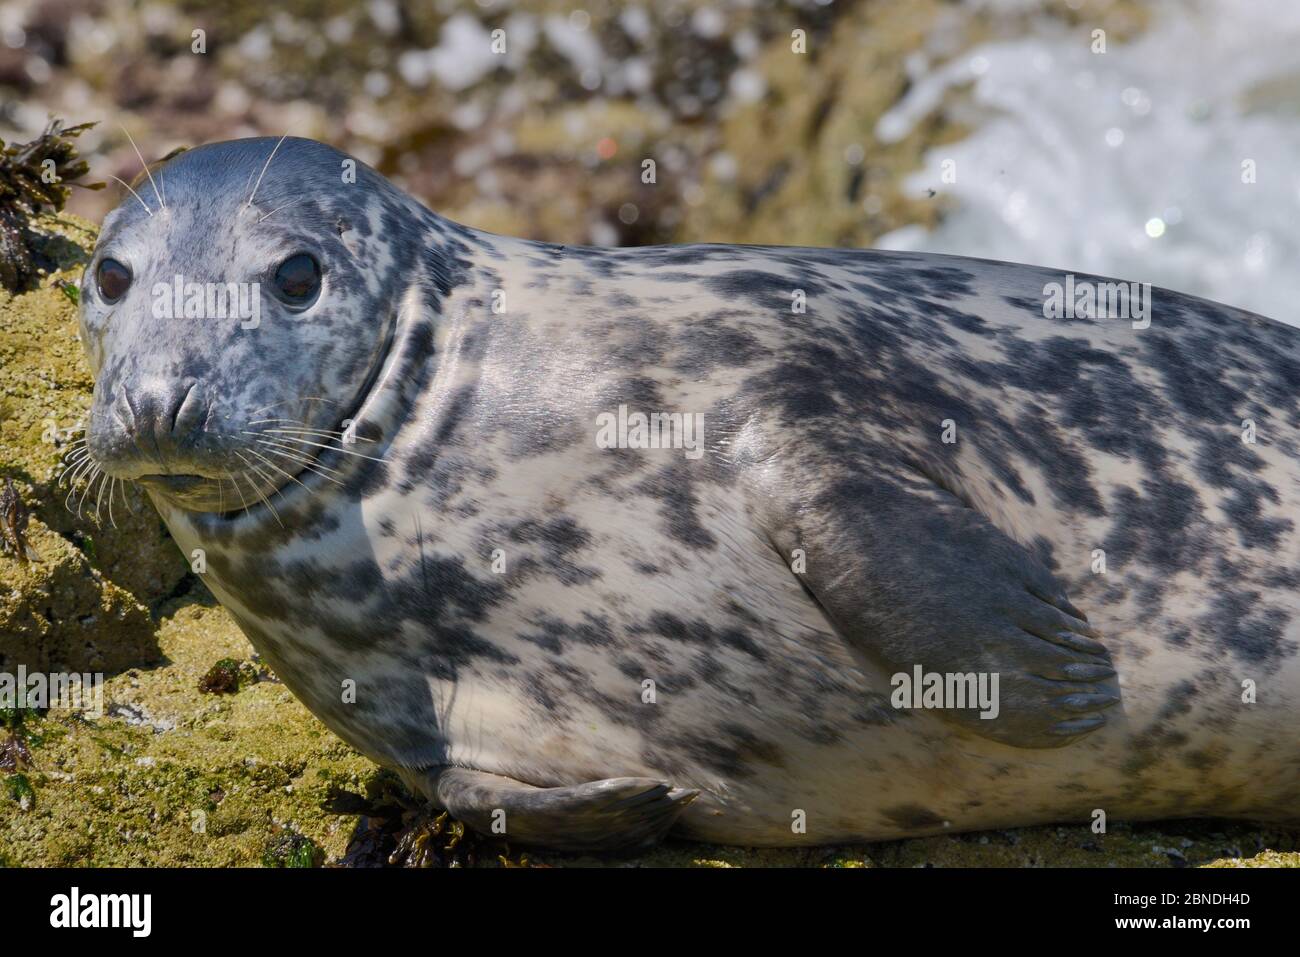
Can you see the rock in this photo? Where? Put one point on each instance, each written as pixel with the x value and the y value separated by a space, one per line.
pixel 85 606
pixel 62 615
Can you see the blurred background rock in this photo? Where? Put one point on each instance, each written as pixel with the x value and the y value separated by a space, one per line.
pixel 1126 159
pixel 752 141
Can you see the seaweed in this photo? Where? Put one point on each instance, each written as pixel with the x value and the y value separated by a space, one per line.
pixel 221 678
pixel 14 753
pixel 13 525
pixel 289 849
pixel 35 177
pixel 16 757
pixel 20 791
pixel 397 830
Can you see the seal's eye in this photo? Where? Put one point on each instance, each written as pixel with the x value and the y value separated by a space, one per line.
pixel 114 280
pixel 298 278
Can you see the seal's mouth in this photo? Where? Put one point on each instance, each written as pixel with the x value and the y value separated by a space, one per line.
pixel 180 484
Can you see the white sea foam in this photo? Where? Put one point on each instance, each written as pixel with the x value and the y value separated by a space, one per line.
pixel 1129 163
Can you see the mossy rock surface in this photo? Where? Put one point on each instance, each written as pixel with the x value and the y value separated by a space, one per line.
pixel 85 605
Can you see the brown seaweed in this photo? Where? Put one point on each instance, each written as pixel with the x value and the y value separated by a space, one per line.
pixel 35 177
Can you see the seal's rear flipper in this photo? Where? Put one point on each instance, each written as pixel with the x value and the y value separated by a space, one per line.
pixel 913 576
pixel 613 814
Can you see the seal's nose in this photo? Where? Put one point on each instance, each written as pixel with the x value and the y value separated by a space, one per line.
pixel 164 416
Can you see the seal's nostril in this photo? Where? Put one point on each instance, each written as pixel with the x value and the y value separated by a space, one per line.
pixel 130 419
pixel 166 415
pixel 190 411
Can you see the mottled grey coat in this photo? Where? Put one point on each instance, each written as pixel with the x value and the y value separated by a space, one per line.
pixel 824 433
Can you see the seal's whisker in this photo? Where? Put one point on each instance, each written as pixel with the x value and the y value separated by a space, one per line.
pixel 290 452
pixel 260 474
pixel 133 193
pixel 111 489
pixel 295 457
pixel 72 481
pixel 243 501
pixel 73 494
pixel 96 478
pixel 278 208
pixel 266 501
pixel 265 167
pixel 328 433
pixel 99 499
pixel 67 499
pixel 95 473
pixel 323 433
pixel 81 469
pixel 315 470
pixel 308 463
pixel 332 448
pixel 162 202
pixel 272 465
pixel 296 423
pixel 286 451
pixel 70 466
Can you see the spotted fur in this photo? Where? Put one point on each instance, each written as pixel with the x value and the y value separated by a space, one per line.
pixel 824 433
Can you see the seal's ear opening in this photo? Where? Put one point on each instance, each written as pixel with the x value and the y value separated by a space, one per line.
pixel 347 235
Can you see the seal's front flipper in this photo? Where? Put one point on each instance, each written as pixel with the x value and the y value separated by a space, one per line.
pixel 617 813
pixel 913 576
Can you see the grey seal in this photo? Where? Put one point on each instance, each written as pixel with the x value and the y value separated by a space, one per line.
pixel 594 544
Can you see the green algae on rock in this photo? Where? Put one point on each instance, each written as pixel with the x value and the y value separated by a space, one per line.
pixel 169 776
pixel 292 850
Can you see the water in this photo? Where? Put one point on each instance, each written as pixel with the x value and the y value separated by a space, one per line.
pixel 1130 163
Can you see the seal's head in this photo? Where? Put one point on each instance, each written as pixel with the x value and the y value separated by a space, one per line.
pixel 238 307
